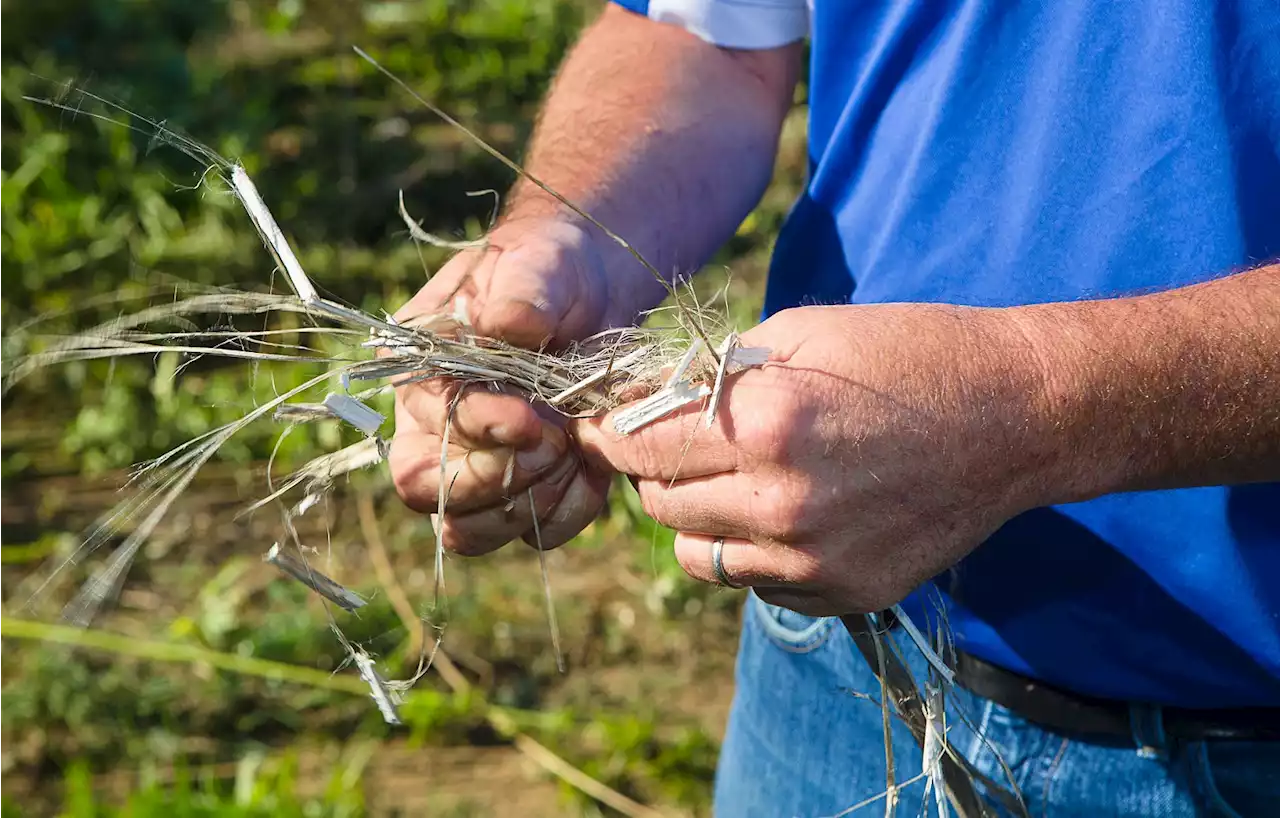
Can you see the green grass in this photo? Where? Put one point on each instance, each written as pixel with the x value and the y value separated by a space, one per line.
pixel 256 789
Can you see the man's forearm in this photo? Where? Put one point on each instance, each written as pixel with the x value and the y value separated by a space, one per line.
pixel 1176 389
pixel 665 139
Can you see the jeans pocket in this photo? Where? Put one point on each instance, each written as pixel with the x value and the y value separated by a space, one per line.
pixel 791 631
pixel 1237 779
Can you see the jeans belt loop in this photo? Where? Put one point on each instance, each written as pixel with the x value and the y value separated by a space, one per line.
pixel 1146 722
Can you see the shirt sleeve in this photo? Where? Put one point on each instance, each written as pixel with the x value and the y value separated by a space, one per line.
pixel 746 24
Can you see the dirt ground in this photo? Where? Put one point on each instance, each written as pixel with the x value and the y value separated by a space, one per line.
pixel 644 648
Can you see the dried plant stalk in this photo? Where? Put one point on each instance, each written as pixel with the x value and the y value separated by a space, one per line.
pixel 378 690
pixel 341 596
pixel 902 693
pixel 552 623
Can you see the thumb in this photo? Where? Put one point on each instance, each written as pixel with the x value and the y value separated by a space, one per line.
pixel 542 292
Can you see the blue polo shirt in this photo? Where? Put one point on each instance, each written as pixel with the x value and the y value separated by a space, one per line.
pixel 996 153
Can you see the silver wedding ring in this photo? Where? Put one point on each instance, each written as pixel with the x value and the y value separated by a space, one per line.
pixel 717 563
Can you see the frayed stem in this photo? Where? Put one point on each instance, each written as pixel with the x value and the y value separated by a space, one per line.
pixel 958 773
pixel 890 782
pixel 339 595
pixel 552 623
pixel 248 195
pixel 420 235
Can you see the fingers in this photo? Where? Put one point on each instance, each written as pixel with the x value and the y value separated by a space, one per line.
pixel 455 278
pixel 482 419
pixel 582 502
pixel 530 290
pixel 533 287
pixel 762 507
pixel 480 532
pixel 473 479
pixel 539 294
pixel 676 446
pixel 746 564
pixel 537 285
pixel 769 571
pixel 566 502
pixel 756 423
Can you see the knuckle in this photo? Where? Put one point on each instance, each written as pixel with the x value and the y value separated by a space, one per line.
pixel 412 479
pixel 767 437
pixel 644 457
pixel 778 509
pixel 422 404
pixel 511 314
pixel 559 255
pixel 654 501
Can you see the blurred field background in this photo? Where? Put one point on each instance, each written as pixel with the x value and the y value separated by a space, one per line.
pixel 211 688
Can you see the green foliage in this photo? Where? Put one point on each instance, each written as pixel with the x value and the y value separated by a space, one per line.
pixel 634 754
pixel 92 210
pixel 114 709
pixel 324 134
pixel 440 717
pixel 255 793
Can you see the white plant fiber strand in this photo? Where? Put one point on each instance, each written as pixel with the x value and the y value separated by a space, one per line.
pixel 922 644
pixel 658 406
pixel 591 380
pixel 377 686
pixel 686 361
pixel 934 746
pixel 726 350
pixel 271 234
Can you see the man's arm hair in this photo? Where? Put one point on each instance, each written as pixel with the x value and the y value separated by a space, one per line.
pixel 666 139
pixel 1170 390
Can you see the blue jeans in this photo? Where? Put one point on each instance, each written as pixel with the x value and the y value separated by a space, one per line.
pixel 803 740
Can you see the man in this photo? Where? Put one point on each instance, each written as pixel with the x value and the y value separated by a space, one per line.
pixel 1025 365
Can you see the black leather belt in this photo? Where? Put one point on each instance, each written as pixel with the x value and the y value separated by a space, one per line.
pixel 1073 714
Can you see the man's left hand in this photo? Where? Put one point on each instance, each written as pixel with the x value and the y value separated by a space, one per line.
pixel 878 446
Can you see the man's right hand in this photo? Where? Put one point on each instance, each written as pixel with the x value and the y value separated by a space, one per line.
pixel 539 283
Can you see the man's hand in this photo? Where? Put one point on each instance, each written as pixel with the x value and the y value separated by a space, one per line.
pixel 885 442
pixel 666 139
pixel 538 284
pixel 878 446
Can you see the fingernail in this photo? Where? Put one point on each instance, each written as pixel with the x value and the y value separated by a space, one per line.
pixel 566 467
pixel 548 452
pixel 504 435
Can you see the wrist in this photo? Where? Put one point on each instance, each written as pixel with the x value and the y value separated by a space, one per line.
pixel 528 202
pixel 1071 416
